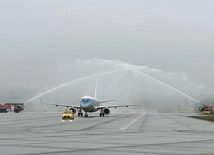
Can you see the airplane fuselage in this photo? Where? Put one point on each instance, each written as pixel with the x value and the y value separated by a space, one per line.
pixel 89 104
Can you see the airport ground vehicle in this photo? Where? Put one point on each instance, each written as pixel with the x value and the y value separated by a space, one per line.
pixel 67 114
pixel 205 109
pixel 16 107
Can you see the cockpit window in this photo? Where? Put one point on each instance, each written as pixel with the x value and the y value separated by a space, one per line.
pixel 85 99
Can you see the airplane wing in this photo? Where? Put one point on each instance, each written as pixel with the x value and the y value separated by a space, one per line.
pixel 106 101
pixel 62 105
pixel 115 106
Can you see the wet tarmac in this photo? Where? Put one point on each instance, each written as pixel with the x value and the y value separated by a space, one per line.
pixel 147 132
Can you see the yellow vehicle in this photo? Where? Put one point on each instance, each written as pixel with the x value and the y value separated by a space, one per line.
pixel 67 114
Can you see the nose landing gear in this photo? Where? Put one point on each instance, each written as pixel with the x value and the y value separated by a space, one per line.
pixel 86 115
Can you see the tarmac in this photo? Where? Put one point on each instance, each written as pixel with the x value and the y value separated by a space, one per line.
pixel 143 132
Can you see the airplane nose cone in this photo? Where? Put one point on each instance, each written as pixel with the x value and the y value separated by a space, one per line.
pixel 84 105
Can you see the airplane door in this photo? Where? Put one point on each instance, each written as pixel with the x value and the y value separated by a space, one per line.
pixel 12 108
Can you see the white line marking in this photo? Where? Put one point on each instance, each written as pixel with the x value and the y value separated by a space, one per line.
pixel 132 122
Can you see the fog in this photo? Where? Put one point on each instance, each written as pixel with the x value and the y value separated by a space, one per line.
pixel 132 84
pixel 44 44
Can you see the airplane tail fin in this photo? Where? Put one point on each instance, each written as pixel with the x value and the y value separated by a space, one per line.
pixel 95 92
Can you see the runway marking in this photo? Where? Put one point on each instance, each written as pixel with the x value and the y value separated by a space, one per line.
pixel 161 151
pixel 132 122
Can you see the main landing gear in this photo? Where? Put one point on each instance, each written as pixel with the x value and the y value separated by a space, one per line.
pixel 80 113
pixel 102 114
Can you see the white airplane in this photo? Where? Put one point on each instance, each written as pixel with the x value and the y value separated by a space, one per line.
pixel 91 104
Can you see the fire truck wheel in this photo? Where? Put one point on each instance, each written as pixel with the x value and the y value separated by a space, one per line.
pixel 16 111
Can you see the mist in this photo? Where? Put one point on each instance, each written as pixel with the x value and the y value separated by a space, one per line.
pixel 127 86
pixel 44 44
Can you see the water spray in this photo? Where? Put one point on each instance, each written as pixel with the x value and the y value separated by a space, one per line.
pixel 69 83
pixel 135 68
pixel 127 68
pixel 167 85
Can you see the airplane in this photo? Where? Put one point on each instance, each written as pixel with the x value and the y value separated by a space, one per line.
pixel 90 104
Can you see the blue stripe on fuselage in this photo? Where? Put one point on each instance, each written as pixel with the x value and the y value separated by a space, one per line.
pixel 85 102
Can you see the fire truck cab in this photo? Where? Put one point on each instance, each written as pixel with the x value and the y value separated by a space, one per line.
pixel 207 109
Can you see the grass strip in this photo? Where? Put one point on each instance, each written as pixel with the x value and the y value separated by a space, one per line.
pixel 206 118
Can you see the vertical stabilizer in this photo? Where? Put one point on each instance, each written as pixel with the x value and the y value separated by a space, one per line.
pixel 95 92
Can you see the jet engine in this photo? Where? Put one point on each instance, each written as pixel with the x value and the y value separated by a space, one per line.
pixel 106 111
pixel 74 110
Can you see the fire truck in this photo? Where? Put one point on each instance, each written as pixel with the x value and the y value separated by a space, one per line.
pixel 206 109
pixel 15 107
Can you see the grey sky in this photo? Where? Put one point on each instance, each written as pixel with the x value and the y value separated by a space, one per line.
pixel 38 36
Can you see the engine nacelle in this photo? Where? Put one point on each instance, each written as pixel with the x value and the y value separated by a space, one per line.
pixel 106 111
pixel 74 110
